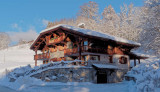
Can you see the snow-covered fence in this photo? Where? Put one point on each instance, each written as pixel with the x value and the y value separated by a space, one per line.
pixel 28 71
pixel 52 65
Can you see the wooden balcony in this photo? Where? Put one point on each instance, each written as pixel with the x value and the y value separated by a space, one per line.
pixel 41 56
pixel 75 51
pixel 85 49
pixel 94 50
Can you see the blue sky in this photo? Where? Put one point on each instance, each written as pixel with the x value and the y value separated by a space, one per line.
pixel 22 16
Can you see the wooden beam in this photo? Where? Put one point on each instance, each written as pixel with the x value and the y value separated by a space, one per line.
pixel 128 64
pixel 36 58
pixel 41 38
pixel 38 42
pixel 43 62
pixel 36 47
pixel 65 37
pixel 80 48
pixel 79 51
pixel 134 62
pixel 139 61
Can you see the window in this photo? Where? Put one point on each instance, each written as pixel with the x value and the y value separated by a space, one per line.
pixel 110 59
pixel 85 43
pixel 85 58
pixel 110 47
pixel 75 46
pixel 123 60
pixel 94 58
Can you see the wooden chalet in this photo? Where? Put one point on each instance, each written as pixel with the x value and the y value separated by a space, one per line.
pixel 67 43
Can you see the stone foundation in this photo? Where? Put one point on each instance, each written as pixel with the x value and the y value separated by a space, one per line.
pixel 79 75
pixel 116 76
pixel 66 75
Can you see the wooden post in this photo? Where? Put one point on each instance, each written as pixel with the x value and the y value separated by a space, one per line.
pixel 49 55
pixel 79 51
pixel 36 58
pixel 134 62
pixel 139 61
pixel 128 63
pixel 43 56
pixel 80 48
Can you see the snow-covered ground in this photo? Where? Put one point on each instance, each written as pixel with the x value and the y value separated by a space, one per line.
pixel 16 56
pixel 81 87
pixel 71 87
pixel 6 89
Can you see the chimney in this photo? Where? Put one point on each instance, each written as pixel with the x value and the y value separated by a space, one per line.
pixel 81 25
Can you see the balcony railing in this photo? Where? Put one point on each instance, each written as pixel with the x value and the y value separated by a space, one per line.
pixel 41 56
pixel 85 49
pixel 94 50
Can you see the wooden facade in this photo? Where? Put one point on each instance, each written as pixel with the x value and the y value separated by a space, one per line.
pixel 61 43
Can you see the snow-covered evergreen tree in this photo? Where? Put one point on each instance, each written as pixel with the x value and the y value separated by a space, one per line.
pixel 88 14
pixel 110 21
pixel 129 22
pixel 150 37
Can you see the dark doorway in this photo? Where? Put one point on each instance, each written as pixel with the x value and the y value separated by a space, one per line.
pixel 101 76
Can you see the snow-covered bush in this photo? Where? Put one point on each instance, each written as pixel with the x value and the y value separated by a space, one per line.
pixel 147 75
pixel 17 72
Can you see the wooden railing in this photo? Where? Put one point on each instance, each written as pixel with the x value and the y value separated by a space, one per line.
pixel 41 56
pixel 93 50
pixel 85 49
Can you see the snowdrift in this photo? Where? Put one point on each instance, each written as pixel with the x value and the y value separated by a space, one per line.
pixel 147 75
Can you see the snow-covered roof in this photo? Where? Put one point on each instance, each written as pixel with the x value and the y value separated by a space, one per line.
pixel 88 33
pixel 93 33
pixel 138 53
pixel 106 66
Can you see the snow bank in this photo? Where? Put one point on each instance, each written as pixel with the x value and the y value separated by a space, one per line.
pixel 147 75
pixel 24 82
pixel 20 78
pixel 21 82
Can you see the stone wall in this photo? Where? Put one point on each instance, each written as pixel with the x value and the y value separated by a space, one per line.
pixel 116 75
pixel 66 75
pixel 121 66
pixel 104 57
pixel 57 54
